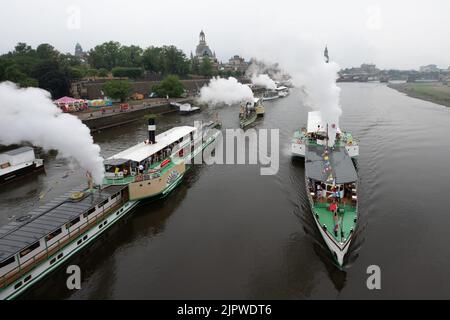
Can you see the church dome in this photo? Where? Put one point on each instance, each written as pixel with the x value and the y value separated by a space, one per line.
pixel 202 49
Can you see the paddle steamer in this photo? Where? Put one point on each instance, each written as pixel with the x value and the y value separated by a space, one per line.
pixel 35 244
pixel 331 182
pixel 250 111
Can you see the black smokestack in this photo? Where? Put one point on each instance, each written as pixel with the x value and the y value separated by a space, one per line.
pixel 151 130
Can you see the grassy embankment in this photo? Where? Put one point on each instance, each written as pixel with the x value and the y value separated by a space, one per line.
pixel 434 92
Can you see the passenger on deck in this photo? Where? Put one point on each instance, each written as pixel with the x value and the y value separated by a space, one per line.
pixel 336 229
pixel 319 191
pixel 333 207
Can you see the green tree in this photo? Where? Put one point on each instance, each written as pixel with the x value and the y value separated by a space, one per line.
pixel 206 67
pixel 151 59
pixel 22 48
pixel 13 73
pixel 118 89
pixel 171 86
pixel 130 56
pixel 52 78
pixel 127 72
pixel 46 52
pixel 29 82
pixel 76 73
pixel 103 73
pixel 44 66
pixel 174 61
pixel 91 72
pixel 106 55
pixel 69 60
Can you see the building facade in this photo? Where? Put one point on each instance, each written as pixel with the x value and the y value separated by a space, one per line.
pixel 79 53
pixel 429 68
pixel 236 64
pixel 203 52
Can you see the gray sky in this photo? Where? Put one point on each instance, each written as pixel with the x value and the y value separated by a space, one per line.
pixel 393 34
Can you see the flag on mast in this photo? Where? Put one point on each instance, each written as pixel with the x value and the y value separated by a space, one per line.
pixel 327 58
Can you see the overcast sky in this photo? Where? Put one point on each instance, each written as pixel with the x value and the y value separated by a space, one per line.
pixel 393 34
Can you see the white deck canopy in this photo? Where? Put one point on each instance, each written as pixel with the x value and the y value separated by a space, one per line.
pixel 144 150
pixel 316 124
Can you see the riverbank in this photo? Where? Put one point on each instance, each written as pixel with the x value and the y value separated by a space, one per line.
pixel 114 116
pixel 434 92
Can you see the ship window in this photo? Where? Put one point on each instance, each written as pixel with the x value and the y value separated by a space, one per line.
pixel 79 241
pixel 18 285
pixel 7 261
pixel 27 278
pixel 29 249
pixel 115 195
pixel 59 256
pixel 73 222
pixel 102 204
pixel 53 261
pixel 53 234
pixel 89 212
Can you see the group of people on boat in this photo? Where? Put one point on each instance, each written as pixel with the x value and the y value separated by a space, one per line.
pixel 246 111
pixel 158 157
pixel 335 198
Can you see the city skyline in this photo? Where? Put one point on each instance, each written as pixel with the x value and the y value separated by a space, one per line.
pixel 357 33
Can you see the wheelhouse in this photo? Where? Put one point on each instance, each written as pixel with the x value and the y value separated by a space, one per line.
pixel 150 158
pixel 117 168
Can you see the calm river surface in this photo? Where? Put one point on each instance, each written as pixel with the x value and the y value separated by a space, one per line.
pixel 229 233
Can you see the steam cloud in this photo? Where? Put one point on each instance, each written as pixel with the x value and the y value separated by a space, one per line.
pixel 29 115
pixel 264 80
pixel 258 72
pixel 222 91
pixel 322 92
pixel 305 63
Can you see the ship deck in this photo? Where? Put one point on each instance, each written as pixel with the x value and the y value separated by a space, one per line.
pixel 132 178
pixel 346 137
pixel 346 219
pixel 30 228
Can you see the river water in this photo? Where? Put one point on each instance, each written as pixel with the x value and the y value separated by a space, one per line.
pixel 229 233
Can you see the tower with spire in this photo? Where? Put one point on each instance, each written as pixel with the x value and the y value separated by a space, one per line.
pixel 79 51
pixel 325 53
pixel 203 51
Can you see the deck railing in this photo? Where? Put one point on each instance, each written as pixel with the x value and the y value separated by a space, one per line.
pixel 44 254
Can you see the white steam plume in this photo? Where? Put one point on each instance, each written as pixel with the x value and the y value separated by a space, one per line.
pixel 222 91
pixel 29 115
pixel 304 61
pixel 264 80
pixel 258 72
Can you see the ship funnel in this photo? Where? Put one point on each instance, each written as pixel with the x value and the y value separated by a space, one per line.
pixel 151 130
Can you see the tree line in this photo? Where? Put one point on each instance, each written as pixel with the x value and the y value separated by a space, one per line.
pixel 47 68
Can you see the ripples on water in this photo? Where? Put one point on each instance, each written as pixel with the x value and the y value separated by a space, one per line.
pixel 228 232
